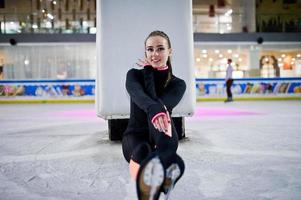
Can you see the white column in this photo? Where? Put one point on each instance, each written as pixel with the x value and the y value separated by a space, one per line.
pixel 254 57
pixel 249 18
pixel 122 27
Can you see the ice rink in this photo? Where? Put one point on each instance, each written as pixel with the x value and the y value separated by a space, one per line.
pixel 241 150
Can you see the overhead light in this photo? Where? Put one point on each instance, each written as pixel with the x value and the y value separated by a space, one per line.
pixel 50 16
pixel 198 59
pixel 204 51
pixel 229 51
pixel 229 12
pixel 54 2
pixel 298 55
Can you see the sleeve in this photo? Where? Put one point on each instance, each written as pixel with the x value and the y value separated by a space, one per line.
pixel 139 97
pixel 173 93
pixel 149 82
pixel 227 74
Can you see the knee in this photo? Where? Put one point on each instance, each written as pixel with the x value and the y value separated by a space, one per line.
pixel 126 149
pixel 141 152
pixel 164 142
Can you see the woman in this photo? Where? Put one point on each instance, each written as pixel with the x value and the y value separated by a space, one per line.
pixel 150 141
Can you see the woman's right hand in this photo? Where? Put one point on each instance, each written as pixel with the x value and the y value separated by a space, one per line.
pixel 143 62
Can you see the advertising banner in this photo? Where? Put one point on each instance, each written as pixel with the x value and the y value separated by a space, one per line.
pixel 251 87
pixel 205 88
pixel 47 89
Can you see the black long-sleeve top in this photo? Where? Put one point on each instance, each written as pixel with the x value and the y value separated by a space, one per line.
pixel 148 96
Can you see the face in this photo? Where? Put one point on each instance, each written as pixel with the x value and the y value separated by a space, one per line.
pixel 157 51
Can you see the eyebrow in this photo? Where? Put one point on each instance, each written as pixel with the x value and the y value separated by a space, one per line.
pixel 160 45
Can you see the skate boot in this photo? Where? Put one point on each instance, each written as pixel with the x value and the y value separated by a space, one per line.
pixel 228 100
pixel 173 173
pixel 150 178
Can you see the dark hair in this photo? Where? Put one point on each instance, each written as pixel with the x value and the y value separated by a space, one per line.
pixel 165 36
pixel 229 60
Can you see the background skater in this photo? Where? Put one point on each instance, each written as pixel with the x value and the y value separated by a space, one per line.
pixel 229 80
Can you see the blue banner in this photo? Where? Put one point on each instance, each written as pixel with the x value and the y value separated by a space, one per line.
pixel 48 88
pixel 250 87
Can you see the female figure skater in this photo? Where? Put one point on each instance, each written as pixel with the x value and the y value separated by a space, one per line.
pixel 150 141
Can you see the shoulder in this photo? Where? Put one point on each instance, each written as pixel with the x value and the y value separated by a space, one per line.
pixel 176 81
pixel 134 72
pixel 134 75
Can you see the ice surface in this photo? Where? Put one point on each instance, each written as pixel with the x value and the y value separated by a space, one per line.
pixel 240 150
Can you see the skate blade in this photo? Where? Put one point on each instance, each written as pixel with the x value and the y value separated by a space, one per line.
pixel 172 174
pixel 153 177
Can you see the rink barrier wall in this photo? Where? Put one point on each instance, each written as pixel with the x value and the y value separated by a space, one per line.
pixel 250 89
pixel 83 90
pixel 47 91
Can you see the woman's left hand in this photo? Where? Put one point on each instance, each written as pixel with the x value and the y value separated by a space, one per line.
pixel 162 123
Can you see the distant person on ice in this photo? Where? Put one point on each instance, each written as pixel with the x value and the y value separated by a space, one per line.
pixel 229 80
pixel 150 141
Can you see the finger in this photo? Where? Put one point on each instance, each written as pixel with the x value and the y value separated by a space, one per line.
pixel 161 123
pixel 154 124
pixel 139 64
pixel 142 61
pixel 168 117
pixel 147 61
pixel 165 121
pixel 157 124
pixel 169 132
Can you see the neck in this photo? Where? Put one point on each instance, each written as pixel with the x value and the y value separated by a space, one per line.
pixel 164 67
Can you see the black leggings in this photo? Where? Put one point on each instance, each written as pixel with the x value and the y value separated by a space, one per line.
pixel 228 86
pixel 159 142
